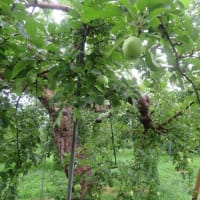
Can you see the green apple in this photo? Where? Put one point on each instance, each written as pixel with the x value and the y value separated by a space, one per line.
pixel 103 80
pixel 131 193
pixel 77 187
pixel 132 48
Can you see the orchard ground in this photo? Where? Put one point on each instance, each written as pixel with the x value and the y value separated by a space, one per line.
pixel 46 183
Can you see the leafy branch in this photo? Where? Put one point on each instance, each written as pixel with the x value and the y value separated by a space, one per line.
pixel 178 57
pixel 177 114
pixel 147 121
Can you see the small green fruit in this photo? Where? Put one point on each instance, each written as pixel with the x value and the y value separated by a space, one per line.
pixel 77 187
pixel 132 48
pixel 131 193
pixel 103 80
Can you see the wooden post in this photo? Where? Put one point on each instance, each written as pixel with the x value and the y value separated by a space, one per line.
pixel 197 186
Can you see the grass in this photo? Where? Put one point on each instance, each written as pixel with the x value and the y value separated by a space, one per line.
pixel 40 184
pixel 173 186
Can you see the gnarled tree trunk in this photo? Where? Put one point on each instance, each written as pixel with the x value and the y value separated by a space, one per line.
pixel 63 138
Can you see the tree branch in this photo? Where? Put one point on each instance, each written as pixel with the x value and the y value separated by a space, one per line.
pixel 146 120
pixel 178 57
pixel 177 114
pixel 44 5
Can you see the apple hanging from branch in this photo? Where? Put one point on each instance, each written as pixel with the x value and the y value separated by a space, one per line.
pixel 132 48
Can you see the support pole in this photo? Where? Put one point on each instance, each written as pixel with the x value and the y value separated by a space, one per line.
pixel 72 159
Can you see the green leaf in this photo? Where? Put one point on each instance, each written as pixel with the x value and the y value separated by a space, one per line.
pixel 158 4
pixel 31 26
pixel 110 11
pixel 157 71
pixel 192 31
pixel 117 43
pixel 95 71
pixel 129 7
pixel 89 100
pixel 20 66
pixel 4 121
pixel 51 28
pixel 5 7
pixel 99 88
pixel 154 23
pixel 99 99
pixel 19 84
pixel 141 4
pixel 115 101
pixel 91 13
pixel 150 62
pixel 51 47
pixel 180 81
pixel 159 11
pixel 170 56
pixel 186 3
pixel 38 42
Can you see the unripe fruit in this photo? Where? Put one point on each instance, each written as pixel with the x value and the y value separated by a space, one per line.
pixel 132 48
pixel 77 187
pixel 103 80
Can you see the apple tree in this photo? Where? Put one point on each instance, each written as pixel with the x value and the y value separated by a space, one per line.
pixel 87 60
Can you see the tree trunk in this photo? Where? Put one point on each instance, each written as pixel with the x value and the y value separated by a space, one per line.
pixel 63 138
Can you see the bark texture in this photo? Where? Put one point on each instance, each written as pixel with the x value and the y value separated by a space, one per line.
pixel 63 139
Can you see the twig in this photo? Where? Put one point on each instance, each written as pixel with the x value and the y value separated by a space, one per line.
pixel 178 57
pixel 35 3
pixel 177 114
pixel 44 5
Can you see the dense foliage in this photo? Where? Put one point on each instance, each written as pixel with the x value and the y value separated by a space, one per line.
pixel 80 59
